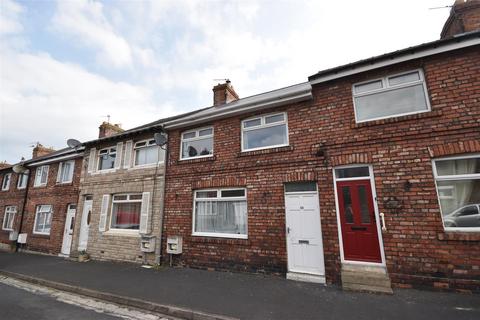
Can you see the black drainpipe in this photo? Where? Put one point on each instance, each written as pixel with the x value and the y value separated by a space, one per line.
pixel 23 207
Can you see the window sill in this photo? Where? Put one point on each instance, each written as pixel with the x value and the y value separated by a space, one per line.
pixel 422 115
pixel 7 230
pixel 60 184
pixel 196 160
pixel 459 236
pixel 123 233
pixel 41 186
pixel 220 240
pixel 146 166
pixel 40 235
pixel 265 151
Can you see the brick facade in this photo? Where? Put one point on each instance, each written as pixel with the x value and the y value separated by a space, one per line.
pixel 111 245
pixel 12 197
pixel 418 251
pixel 55 194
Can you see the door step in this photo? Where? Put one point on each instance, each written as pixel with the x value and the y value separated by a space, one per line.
pixel 306 277
pixel 366 278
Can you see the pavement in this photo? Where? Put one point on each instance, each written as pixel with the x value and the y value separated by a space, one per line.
pixel 244 296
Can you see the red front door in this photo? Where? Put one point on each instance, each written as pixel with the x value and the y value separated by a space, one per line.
pixel 357 218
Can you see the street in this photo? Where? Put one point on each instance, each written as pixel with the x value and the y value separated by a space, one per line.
pixel 20 300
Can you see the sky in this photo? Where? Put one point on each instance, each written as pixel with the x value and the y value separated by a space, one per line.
pixel 66 65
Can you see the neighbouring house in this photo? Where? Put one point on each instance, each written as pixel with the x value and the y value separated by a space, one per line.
pixel 121 195
pixel 52 195
pixel 12 197
pixel 366 175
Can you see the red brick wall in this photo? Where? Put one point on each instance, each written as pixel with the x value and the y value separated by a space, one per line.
pixel 12 197
pixel 418 251
pixel 57 195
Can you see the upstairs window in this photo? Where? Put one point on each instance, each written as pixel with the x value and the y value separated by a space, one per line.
pixel 197 143
pixel 6 181
pixel 147 152
pixel 43 220
pixel 391 96
pixel 264 132
pixel 22 180
pixel 9 217
pixel 458 188
pixel 41 176
pixel 126 211
pixel 106 158
pixel 65 171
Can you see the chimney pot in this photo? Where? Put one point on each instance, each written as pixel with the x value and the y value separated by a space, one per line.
pixel 107 129
pixel 224 93
pixel 464 17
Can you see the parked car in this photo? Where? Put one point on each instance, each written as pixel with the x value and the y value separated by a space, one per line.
pixel 466 216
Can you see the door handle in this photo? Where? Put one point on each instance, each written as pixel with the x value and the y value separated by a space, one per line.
pixel 382 218
pixel 288 230
pixel 303 242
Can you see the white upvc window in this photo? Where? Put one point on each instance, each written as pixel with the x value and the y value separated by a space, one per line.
pixel 9 218
pixel 106 158
pixel 197 143
pixel 6 181
pixel 22 180
pixel 65 171
pixel 147 153
pixel 41 176
pixel 220 213
pixel 391 96
pixel 263 132
pixel 126 209
pixel 458 187
pixel 43 220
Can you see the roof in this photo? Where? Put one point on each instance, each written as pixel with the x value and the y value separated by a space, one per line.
pixel 157 124
pixel 291 94
pixel 410 53
pixel 56 155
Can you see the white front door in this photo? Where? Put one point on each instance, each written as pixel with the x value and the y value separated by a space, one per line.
pixel 68 230
pixel 85 224
pixel 304 237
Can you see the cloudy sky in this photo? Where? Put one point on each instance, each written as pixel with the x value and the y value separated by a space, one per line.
pixel 65 65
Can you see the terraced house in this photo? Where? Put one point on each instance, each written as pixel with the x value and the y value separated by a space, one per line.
pixel 39 203
pixel 367 174
pixel 121 197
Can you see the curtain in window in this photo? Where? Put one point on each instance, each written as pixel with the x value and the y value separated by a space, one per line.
pixel 126 215
pixel 221 217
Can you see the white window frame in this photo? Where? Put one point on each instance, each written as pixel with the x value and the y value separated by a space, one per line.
pixel 11 211
pixel 37 209
pixel 213 234
pixel 387 87
pixel 197 137
pixel 147 145
pixel 19 179
pixel 473 176
pixel 263 125
pixel 98 156
pixel 38 182
pixel 6 186
pixel 113 201
pixel 60 173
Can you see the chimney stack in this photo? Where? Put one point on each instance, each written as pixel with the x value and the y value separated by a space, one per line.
pixel 40 151
pixel 224 93
pixel 107 129
pixel 464 17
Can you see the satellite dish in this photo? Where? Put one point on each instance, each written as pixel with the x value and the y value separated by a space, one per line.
pixel 73 143
pixel 160 138
pixel 18 168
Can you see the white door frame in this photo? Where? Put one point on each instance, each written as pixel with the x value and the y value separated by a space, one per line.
pixel 83 220
pixel 71 213
pixel 375 206
pixel 292 275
